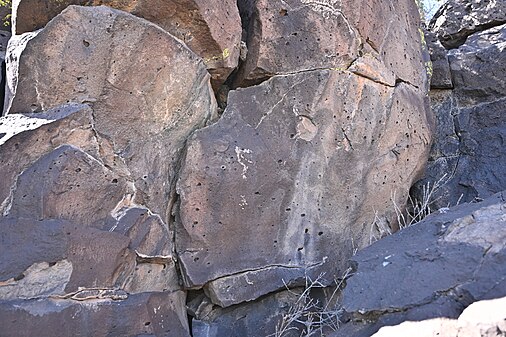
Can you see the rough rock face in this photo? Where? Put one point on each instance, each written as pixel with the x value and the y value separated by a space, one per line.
pixel 4 40
pixel 121 205
pixel 210 28
pixel 451 260
pixel 441 75
pixel 468 152
pixel 86 189
pixel 480 319
pixel 259 318
pixel 297 166
pixel 153 114
pixel 147 314
pixel 457 19
pixel 298 35
pixel 5 21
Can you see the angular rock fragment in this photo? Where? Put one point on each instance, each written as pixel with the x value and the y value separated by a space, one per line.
pixel 457 19
pixel 144 106
pixel 210 28
pixel 260 318
pixel 58 186
pixel 296 167
pixel 49 257
pixel 441 76
pixel 475 66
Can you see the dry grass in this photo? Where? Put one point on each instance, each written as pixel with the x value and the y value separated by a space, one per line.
pixel 415 211
pixel 307 316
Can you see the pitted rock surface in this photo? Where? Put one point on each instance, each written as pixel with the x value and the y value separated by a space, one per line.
pixel 298 35
pixel 136 122
pixel 210 28
pixel 289 168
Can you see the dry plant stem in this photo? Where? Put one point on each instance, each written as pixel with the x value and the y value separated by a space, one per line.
pixel 419 208
pixel 308 313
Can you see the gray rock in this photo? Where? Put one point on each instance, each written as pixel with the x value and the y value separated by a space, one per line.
pixel 471 125
pixel 457 19
pixel 259 318
pixel 480 319
pixel 441 257
pixel 289 170
pixel 475 66
pixel 147 314
pixel 441 75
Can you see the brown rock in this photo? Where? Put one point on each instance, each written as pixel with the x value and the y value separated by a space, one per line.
pixel 58 186
pixel 299 35
pixel 144 106
pixel 284 177
pixel 210 28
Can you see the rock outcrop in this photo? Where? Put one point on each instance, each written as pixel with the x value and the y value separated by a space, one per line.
pixel 303 162
pixel 124 196
pixel 89 153
pixel 210 28
pixel 137 122
pixel 458 19
pixel 287 37
pixel 451 259
pixel 297 172
pixel 468 99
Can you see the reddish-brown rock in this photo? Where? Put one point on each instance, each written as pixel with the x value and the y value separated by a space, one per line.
pixel 299 35
pixel 295 168
pixel 210 28
pixel 144 106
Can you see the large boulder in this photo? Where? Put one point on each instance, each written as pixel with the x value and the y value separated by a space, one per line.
pixel 299 35
pixel 144 107
pixel 457 19
pixel 468 152
pixel 296 167
pixel 210 28
pixel 433 269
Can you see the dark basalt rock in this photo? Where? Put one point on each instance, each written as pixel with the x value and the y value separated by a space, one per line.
pixel 451 259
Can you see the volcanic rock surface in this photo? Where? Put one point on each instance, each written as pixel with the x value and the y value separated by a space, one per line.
pixel 210 28
pixel 468 100
pixel 452 260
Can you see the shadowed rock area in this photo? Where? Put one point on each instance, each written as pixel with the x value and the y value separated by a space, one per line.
pixel 468 100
